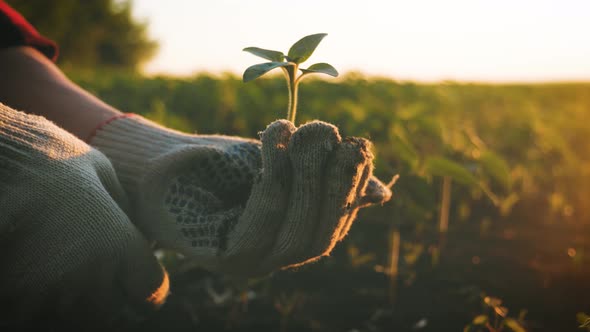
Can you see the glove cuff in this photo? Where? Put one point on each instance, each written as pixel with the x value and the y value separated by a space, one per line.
pixel 131 142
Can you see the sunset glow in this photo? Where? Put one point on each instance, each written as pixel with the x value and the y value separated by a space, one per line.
pixel 418 40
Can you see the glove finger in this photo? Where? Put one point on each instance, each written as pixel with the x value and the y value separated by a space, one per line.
pixel 376 192
pixel 367 173
pixel 346 172
pixel 309 149
pixel 259 223
pixel 143 281
pixel 350 218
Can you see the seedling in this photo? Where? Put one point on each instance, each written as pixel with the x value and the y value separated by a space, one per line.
pixel 298 53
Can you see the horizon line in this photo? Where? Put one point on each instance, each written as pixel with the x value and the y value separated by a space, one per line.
pixel 370 76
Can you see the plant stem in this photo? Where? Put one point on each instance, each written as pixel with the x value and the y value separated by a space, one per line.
pixel 293 86
pixel 293 101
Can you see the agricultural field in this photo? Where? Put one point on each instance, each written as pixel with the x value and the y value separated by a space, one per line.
pixel 488 230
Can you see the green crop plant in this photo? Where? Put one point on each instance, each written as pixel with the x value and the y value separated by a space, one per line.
pixel 298 53
pixel 495 318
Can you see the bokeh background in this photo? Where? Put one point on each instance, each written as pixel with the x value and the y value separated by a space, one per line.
pixel 483 108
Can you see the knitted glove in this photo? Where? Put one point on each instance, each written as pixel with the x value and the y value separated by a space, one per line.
pixel 238 206
pixel 69 253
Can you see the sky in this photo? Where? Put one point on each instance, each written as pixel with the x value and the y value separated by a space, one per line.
pixel 419 40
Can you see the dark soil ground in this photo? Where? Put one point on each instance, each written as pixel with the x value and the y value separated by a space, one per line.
pixel 539 269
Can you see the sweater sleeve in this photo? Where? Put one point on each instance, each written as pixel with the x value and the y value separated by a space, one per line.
pixel 15 30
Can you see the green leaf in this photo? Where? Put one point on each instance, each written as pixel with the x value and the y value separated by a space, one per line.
pixel 402 146
pixel 255 71
pixel 440 166
pixel 497 168
pixel 480 320
pixel 514 325
pixel 321 67
pixel 303 49
pixel 274 56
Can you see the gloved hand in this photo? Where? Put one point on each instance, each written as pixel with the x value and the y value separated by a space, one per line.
pixel 69 254
pixel 238 206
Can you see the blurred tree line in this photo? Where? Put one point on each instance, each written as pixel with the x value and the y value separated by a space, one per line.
pixel 91 33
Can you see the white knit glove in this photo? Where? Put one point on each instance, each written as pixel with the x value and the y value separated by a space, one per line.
pixel 236 206
pixel 68 251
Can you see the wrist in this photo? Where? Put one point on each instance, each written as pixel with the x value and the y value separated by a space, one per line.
pixel 106 122
pixel 131 142
pixel 33 84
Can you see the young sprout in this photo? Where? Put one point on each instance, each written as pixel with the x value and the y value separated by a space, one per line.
pixel 298 53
